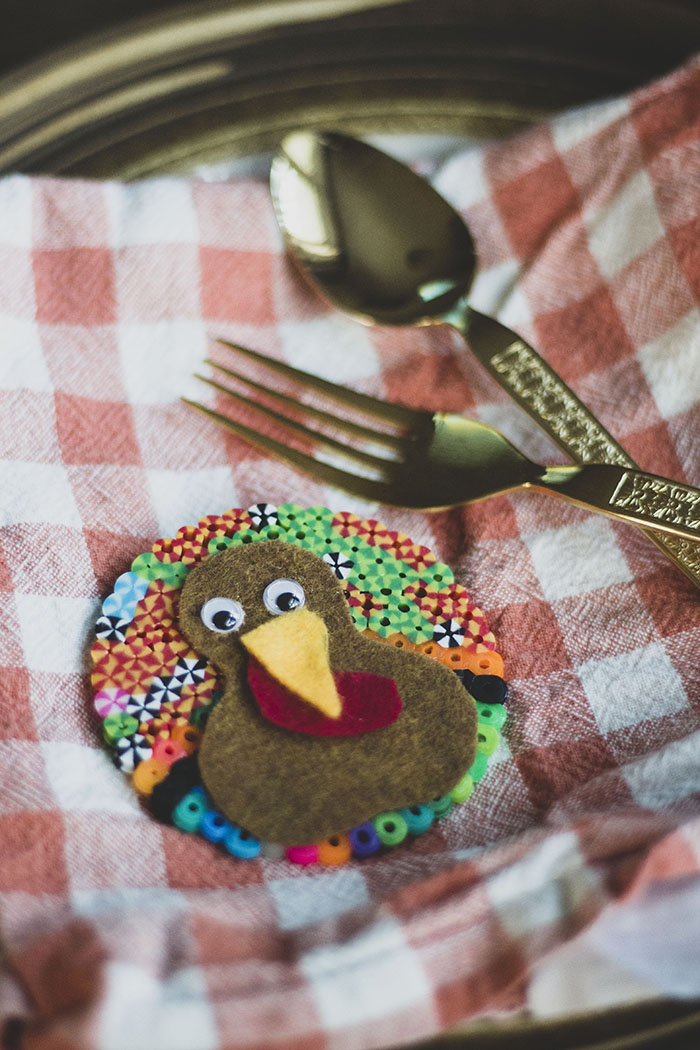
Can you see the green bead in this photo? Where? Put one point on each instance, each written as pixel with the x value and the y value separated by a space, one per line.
pixel 491 714
pixel 119 725
pixel 441 806
pixel 463 789
pixel 486 739
pixel 319 520
pixel 219 544
pixel 478 766
pixel 189 811
pixel 438 574
pixel 151 568
pixel 290 514
pixel 391 828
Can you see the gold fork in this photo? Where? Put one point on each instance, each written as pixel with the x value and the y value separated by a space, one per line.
pixel 436 460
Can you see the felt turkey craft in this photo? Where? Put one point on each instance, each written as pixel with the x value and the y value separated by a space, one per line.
pixel 240 696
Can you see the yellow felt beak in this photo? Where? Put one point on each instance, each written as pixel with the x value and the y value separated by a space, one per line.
pixel 293 648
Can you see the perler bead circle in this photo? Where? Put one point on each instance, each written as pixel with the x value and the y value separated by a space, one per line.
pixel 153 692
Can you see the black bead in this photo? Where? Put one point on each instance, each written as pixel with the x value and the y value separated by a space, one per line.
pixel 488 689
pixel 466 677
pixel 183 776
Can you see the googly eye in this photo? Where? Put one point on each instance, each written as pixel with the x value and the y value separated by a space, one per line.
pixel 282 596
pixel 223 615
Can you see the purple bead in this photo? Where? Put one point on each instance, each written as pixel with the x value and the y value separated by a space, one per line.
pixel 365 840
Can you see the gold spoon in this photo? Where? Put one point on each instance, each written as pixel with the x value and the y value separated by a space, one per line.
pixel 381 244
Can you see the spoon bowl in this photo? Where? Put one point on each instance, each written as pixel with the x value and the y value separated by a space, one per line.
pixel 372 235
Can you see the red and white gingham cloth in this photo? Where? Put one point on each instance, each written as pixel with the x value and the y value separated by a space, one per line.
pixel 582 845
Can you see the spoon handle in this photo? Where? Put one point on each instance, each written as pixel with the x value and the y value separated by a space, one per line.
pixel 548 400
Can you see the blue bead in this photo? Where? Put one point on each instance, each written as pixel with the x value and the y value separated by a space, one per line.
pixel 365 840
pixel 214 826
pixel 418 818
pixel 241 843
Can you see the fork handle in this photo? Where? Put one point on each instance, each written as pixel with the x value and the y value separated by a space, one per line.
pixel 537 388
pixel 630 495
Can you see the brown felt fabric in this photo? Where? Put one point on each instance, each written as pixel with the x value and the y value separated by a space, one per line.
pixel 292 788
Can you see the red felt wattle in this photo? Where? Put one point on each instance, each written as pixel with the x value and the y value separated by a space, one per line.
pixel 369 701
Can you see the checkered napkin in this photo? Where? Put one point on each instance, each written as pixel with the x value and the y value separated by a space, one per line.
pixel 582 844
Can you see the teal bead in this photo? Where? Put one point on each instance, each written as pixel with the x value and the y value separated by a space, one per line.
pixel 479 766
pixel 441 806
pixel 418 818
pixel 486 739
pixel 491 714
pixel 189 811
pixel 391 828
pixel 242 844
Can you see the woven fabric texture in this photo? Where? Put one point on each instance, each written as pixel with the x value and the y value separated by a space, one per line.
pixel 119 933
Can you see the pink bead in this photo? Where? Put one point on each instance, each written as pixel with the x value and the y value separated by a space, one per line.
pixel 168 751
pixel 302 854
pixel 110 701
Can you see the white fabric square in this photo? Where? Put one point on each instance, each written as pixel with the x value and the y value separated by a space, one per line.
pixel 156 212
pixel 528 894
pixel 671 365
pixel 182 497
pixel 462 180
pixel 36 492
pixel 625 689
pixel 165 1011
pixel 495 291
pixel 301 902
pixel 158 360
pixel 580 124
pixel 54 630
pixel 370 977
pixel 16 211
pixel 350 354
pixel 577 558
pixel 625 227
pixel 22 363
pixel 84 779
pixel 666 776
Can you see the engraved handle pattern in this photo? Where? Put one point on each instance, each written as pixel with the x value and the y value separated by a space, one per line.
pixel 657 498
pixel 545 396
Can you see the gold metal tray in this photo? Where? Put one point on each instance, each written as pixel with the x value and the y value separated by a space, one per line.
pixel 206 82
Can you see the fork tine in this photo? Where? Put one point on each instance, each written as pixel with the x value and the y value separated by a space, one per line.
pixel 399 415
pixel 364 433
pixel 291 424
pixel 366 488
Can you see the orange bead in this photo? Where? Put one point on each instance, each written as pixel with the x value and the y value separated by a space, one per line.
pixel 147 774
pixel 188 737
pixel 335 850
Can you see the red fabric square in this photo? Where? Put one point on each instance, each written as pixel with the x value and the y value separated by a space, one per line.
pixel 685 242
pixel 554 772
pixel 74 286
pixel 670 598
pixel 616 622
pixel 531 641
pixel 236 286
pixel 583 335
pixel 33 861
pixel 194 864
pixel 669 118
pixel 111 554
pixel 92 431
pixel 651 294
pixel 17 721
pixel 535 203
pixel 653 450
pixel 651 734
